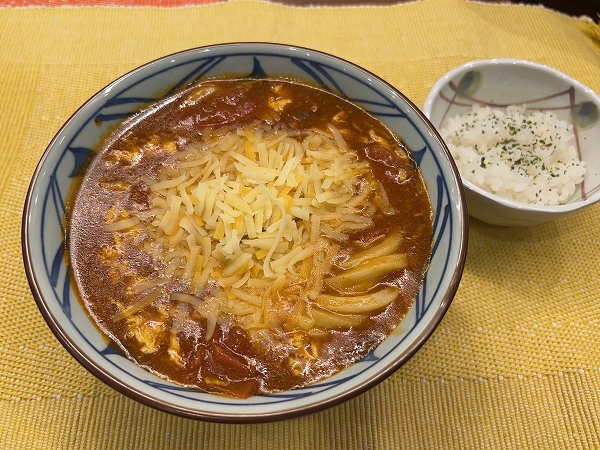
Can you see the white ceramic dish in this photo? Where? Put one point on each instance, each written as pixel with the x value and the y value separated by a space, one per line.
pixel 503 82
pixel 43 244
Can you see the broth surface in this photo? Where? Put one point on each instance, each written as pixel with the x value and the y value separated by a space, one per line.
pixel 244 237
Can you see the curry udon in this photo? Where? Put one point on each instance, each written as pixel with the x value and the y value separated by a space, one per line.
pixel 249 236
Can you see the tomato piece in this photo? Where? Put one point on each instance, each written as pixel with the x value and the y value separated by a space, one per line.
pixel 230 360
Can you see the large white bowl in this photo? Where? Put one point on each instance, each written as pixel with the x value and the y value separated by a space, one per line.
pixel 43 234
pixel 503 82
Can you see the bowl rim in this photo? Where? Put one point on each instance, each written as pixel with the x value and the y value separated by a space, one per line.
pixel 181 410
pixel 508 62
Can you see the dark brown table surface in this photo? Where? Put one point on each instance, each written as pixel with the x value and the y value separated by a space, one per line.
pixel 589 8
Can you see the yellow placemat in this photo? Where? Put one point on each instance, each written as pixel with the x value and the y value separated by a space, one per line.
pixel 514 364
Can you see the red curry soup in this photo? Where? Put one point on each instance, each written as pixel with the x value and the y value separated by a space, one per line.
pixel 246 237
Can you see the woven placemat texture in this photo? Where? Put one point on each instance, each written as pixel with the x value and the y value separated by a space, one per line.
pixel 515 364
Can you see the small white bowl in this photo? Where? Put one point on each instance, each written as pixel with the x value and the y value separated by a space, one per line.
pixel 43 227
pixel 503 82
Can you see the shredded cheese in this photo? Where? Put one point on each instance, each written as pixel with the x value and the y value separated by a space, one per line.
pixel 240 207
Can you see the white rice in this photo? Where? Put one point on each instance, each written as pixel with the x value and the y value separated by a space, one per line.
pixel 526 156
